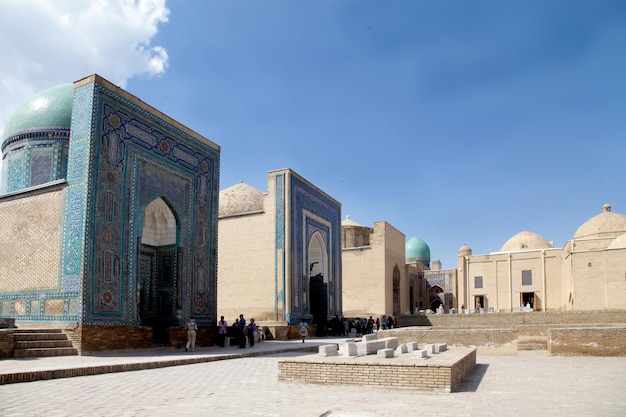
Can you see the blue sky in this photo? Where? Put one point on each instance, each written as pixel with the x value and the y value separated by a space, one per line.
pixel 460 122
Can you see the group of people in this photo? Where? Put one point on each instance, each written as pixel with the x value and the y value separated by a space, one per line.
pixel 361 325
pixel 244 332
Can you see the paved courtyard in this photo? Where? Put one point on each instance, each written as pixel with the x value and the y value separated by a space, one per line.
pixel 529 384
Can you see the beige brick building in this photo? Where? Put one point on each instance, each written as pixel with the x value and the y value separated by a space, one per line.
pixel 383 274
pixel 279 251
pixel 587 273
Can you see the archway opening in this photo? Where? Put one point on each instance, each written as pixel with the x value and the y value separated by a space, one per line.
pixel 318 283
pixel 158 266
pixel 435 297
pixel 396 291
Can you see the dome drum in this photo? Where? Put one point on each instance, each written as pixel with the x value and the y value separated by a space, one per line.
pixel 35 141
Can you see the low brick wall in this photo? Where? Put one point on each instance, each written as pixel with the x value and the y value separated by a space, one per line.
pixel 6 343
pixel 493 320
pixel 587 341
pixel 504 340
pixel 416 375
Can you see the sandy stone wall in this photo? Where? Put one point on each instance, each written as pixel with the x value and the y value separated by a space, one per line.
pixel 514 319
pixel 600 341
pixel 29 242
pixel 481 337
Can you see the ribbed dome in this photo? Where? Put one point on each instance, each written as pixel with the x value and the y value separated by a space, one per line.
pixel 416 248
pixel 605 224
pixel 240 198
pixel 50 109
pixel 619 242
pixel 525 241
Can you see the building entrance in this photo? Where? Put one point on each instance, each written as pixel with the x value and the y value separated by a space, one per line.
pixel 527 299
pixel 318 297
pixel 157 291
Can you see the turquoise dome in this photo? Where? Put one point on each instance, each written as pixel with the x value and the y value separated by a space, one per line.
pixel 416 248
pixel 50 109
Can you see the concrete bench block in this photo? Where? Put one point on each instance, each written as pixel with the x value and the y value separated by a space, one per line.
pixel 439 347
pixel 349 349
pixel 371 347
pixel 412 346
pixel 420 354
pixel 402 349
pixel 390 342
pixel 385 353
pixel 369 337
pixel 327 350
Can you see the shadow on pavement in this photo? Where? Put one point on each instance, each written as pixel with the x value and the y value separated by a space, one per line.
pixel 471 383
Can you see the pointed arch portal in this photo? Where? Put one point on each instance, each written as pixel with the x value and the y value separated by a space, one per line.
pixel 318 279
pixel 158 279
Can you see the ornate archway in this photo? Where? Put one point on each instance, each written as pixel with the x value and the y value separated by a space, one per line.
pixel 158 265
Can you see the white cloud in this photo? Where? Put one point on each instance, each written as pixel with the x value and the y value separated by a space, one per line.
pixel 44 43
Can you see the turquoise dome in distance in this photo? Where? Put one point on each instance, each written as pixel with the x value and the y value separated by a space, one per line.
pixel 417 249
pixel 50 109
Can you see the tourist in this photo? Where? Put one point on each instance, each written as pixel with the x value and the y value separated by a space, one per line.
pixel 191 328
pixel 390 322
pixel 251 330
pixel 346 327
pixel 304 329
pixel 241 328
pixel 222 330
pixel 370 325
pixel 377 323
pixel 236 331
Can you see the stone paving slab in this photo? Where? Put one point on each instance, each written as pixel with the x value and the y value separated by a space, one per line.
pixel 15 370
pixel 525 385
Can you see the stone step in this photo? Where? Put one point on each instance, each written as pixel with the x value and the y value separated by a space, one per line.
pixel 18 336
pixel 34 344
pixel 532 343
pixel 38 331
pixel 44 352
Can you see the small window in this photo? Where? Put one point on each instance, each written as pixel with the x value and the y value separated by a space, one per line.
pixel 478 282
pixel 527 277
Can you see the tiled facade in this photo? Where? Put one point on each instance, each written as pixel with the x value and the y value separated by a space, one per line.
pixel 273 245
pixel 89 265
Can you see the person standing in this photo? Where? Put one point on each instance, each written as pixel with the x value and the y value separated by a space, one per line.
pixel 304 329
pixel 222 330
pixel 251 330
pixel 242 332
pixel 191 328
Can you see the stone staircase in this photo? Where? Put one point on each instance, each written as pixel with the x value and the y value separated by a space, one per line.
pixel 535 342
pixel 32 343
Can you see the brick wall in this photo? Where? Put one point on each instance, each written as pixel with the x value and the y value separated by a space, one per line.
pixel 585 341
pixel 103 338
pixel 463 337
pixel 514 319
pixel 6 343
pixel 407 376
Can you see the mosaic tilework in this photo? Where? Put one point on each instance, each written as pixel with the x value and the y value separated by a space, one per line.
pixel 279 266
pixel 76 208
pixel 54 307
pixel 140 158
pixel 307 204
